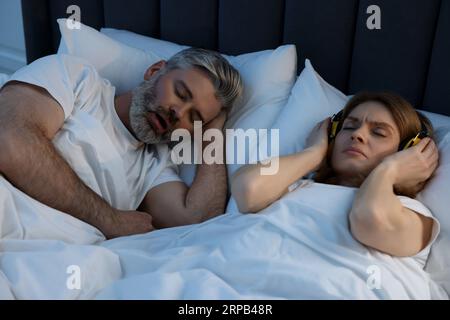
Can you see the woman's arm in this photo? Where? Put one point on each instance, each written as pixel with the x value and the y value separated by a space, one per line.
pixel 378 218
pixel 254 191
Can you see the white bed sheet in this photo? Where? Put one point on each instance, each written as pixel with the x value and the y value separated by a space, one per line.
pixel 299 248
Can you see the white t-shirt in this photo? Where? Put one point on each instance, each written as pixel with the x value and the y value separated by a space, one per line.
pixel 419 208
pixel 416 206
pixel 93 139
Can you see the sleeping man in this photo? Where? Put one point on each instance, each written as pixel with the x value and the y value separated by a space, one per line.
pixel 71 144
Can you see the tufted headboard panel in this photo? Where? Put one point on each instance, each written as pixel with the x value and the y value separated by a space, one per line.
pixel 409 54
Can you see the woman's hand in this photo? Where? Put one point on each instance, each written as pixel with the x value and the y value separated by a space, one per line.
pixel 414 165
pixel 318 140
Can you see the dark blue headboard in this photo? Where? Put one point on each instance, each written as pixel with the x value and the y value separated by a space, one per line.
pixel 409 55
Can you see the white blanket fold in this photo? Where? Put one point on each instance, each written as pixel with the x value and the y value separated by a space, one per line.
pixel 298 248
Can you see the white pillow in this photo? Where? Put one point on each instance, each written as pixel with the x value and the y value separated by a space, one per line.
pixel 3 79
pixel 312 99
pixel 436 197
pixel 438 120
pixel 164 49
pixel 268 75
pixel 122 65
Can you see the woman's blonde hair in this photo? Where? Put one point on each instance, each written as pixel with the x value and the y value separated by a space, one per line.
pixel 409 123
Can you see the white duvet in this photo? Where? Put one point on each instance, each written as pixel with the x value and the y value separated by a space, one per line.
pixel 299 248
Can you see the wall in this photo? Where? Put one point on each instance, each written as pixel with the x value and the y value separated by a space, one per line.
pixel 12 43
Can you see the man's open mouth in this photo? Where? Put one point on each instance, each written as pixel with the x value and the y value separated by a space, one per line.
pixel 158 122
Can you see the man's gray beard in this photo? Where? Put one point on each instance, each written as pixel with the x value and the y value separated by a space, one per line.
pixel 143 102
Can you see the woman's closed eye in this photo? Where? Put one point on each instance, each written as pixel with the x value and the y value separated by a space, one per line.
pixel 379 132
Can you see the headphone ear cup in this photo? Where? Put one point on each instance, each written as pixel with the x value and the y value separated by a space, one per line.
pixel 333 130
pixel 335 126
pixel 404 145
pixel 412 142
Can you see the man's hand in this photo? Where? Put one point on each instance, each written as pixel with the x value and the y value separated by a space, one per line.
pixel 414 165
pixel 218 122
pixel 174 204
pixel 125 223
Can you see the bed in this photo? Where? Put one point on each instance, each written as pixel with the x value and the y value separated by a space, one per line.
pixel 298 248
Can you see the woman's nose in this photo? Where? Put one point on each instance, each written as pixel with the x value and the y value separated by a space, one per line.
pixel 358 134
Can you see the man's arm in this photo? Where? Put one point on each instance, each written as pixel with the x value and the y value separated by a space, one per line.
pixel 174 204
pixel 29 119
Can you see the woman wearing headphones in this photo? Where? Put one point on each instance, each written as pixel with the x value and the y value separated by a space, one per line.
pixel 380 145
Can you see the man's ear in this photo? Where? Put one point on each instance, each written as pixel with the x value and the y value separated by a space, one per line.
pixel 154 68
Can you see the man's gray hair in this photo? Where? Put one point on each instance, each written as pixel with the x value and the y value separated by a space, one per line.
pixel 225 78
